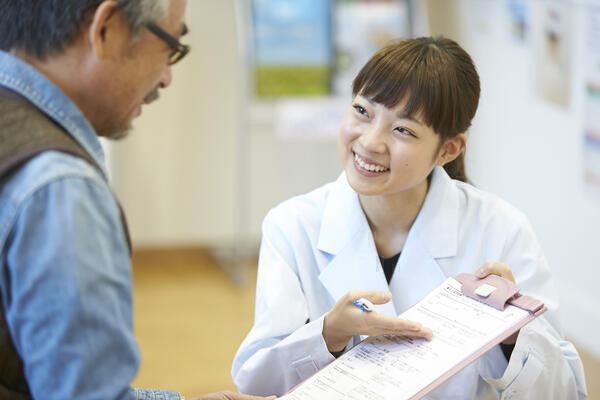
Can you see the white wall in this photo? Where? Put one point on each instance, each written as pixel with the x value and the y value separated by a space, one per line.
pixel 176 172
pixel 179 176
pixel 529 152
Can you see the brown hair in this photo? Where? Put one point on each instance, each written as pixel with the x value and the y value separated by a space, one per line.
pixel 438 77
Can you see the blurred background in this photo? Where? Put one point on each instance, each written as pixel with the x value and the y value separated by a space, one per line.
pixel 251 119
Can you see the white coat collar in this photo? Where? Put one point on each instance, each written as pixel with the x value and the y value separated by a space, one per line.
pixel 437 222
pixel 436 225
pixel 346 235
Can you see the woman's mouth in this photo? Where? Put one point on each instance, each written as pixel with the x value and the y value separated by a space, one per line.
pixel 368 168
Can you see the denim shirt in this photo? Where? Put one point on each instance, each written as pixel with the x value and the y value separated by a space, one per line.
pixel 65 273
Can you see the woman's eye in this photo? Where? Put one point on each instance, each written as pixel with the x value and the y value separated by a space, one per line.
pixel 404 132
pixel 359 109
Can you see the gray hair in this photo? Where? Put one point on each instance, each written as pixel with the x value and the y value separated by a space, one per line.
pixel 139 12
pixel 41 28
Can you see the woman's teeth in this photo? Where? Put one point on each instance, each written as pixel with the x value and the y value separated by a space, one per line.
pixel 369 167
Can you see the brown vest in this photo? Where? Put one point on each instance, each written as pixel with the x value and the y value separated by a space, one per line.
pixel 24 133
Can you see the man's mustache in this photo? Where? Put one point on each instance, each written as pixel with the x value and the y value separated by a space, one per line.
pixel 152 96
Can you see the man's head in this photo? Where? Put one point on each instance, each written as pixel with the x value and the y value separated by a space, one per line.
pixel 109 56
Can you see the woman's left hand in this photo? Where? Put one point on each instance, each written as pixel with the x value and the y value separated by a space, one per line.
pixel 496 268
pixel 504 271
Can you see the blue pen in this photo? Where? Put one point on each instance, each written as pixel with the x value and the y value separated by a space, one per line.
pixel 364 304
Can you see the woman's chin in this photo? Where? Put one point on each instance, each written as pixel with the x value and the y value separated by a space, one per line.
pixel 363 186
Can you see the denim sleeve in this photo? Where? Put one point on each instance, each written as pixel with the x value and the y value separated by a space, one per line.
pixel 68 294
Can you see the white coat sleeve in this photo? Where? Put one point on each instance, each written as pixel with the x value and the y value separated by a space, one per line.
pixel 542 364
pixel 282 349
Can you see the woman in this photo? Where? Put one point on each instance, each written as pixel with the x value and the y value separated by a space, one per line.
pixel 395 225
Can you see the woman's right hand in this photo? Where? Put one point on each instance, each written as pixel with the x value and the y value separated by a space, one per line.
pixel 345 320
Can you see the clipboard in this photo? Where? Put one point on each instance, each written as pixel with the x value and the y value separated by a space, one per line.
pixel 385 358
pixel 504 293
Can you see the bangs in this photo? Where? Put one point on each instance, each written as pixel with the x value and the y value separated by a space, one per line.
pixel 419 73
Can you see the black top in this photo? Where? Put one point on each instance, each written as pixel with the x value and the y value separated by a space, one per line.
pixel 389 265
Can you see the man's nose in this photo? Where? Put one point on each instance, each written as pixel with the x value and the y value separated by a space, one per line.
pixel 166 78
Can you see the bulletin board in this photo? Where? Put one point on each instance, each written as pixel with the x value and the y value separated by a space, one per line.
pixel 315 47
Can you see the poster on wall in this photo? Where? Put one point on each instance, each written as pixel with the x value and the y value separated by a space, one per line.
pixel 307 53
pixel 591 151
pixel 292 47
pixel 519 20
pixel 552 46
pixel 360 28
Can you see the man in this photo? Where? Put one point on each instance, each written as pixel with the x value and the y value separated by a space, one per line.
pixel 70 71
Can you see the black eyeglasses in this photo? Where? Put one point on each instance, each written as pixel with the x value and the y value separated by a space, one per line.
pixel 178 51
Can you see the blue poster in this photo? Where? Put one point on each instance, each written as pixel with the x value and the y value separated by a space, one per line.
pixel 292 47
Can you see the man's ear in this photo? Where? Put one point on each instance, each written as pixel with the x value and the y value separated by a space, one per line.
pixel 451 148
pixel 108 31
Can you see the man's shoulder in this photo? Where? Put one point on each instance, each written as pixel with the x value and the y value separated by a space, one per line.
pixel 44 169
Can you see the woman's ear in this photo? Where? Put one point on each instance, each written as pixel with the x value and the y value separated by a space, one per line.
pixel 451 148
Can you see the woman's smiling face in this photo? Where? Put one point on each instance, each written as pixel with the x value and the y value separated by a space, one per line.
pixel 384 151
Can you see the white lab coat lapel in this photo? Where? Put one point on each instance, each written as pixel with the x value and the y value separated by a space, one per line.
pixel 434 235
pixel 346 235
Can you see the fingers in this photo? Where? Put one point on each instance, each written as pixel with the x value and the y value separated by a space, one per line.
pixel 239 396
pixel 345 320
pixel 495 268
pixel 373 323
pixel 228 395
pixel 423 333
pixel 379 324
pixel 374 296
pixel 381 321
pixel 248 397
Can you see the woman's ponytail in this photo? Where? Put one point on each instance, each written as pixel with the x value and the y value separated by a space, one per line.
pixel 456 168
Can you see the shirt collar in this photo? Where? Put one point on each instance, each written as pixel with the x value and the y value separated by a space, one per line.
pixel 437 222
pixel 24 79
pixel 436 226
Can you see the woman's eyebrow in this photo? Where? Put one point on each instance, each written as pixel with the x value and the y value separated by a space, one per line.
pixel 404 115
pixel 365 98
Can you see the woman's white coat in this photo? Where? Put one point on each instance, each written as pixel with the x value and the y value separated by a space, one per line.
pixel 318 246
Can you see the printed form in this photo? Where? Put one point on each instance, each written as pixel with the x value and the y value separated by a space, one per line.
pixel 396 367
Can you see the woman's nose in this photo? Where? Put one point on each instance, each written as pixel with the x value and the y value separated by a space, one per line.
pixel 372 139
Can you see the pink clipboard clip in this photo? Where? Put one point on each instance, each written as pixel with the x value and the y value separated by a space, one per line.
pixel 504 292
pixel 497 292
